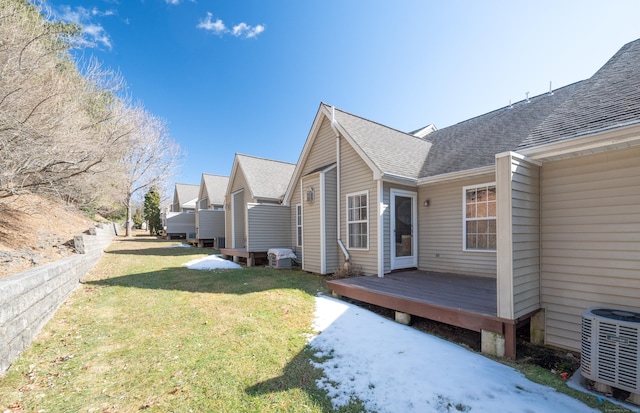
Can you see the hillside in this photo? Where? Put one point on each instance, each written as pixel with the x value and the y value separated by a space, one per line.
pixel 35 231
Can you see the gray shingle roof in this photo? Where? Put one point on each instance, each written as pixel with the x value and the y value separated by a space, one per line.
pixel 393 152
pixel 474 142
pixel 185 193
pixel 610 98
pixel 215 187
pixel 266 178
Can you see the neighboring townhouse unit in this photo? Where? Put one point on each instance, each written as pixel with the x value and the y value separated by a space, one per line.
pixel 181 220
pixel 256 220
pixel 210 211
pixel 535 207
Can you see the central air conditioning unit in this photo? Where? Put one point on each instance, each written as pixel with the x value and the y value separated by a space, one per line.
pixel 611 348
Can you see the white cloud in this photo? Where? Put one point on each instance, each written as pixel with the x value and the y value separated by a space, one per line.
pixel 93 34
pixel 208 24
pixel 174 2
pixel 239 30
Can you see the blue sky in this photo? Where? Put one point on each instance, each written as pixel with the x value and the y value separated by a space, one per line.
pixel 248 76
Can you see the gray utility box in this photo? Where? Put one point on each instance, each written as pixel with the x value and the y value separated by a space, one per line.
pixel 275 262
pixel 280 257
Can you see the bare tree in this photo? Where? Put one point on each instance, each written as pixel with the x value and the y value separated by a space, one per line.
pixel 69 131
pixel 151 157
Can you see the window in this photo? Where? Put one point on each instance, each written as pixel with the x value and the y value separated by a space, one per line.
pixel 202 203
pixel 299 225
pixel 358 221
pixel 479 228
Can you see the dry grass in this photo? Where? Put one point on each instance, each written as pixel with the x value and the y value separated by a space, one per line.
pixel 34 231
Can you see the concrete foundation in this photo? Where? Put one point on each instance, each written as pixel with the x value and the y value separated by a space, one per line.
pixel 493 343
pixel 403 318
pixel 536 328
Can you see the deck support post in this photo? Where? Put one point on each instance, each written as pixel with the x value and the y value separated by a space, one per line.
pixel 510 340
pixel 403 318
pixel 493 343
pixel 236 259
pixel 251 261
pixel 536 328
pixel 334 294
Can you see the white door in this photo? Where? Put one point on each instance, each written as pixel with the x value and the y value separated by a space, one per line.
pixel 403 240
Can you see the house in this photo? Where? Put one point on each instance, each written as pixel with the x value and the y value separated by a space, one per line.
pixel 532 210
pixel 181 220
pixel 349 170
pixel 256 220
pixel 209 219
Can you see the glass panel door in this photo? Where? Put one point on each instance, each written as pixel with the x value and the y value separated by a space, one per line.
pixel 403 229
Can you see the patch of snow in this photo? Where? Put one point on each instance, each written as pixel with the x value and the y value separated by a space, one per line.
pixel 395 368
pixel 211 262
pixel 179 246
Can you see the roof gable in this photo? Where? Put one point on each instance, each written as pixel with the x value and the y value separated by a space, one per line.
pixel 265 178
pixel 213 187
pixel 385 150
pixel 393 152
pixel 185 193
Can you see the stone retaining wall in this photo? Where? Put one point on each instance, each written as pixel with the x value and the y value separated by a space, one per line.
pixel 29 299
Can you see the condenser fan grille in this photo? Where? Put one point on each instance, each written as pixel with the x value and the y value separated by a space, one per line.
pixel 611 348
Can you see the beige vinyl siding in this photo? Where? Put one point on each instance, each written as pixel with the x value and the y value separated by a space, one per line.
pixel 227 220
pixel 356 176
pixel 525 208
pixel 210 224
pixel 590 239
pixel 311 225
pixel 323 151
pixel 440 231
pixel 268 227
pixel 331 221
pixel 238 206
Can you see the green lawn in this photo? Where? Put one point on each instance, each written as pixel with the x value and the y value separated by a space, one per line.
pixel 144 333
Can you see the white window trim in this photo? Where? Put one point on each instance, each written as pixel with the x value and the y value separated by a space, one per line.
pixel 299 225
pixel 352 194
pixel 464 216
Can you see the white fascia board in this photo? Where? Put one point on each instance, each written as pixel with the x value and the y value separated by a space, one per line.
pixel 399 179
pixel 455 176
pixel 518 156
pixel 232 176
pixel 609 139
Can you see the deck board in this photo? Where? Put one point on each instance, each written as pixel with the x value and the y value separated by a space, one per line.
pixel 460 292
pixel 464 301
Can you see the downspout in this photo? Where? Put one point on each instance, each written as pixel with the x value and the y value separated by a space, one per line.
pixel 347 256
pixel 380 229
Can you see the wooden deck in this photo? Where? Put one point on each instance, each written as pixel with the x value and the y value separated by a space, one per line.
pixel 460 300
pixel 242 252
